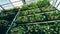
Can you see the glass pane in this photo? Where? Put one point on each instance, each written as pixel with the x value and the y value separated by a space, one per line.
pixel 8 6
pixel 58 7
pixel 29 1
pixel 18 3
pixel 4 2
pixel 57 3
pixel 14 0
pixel 0 8
pixel 51 2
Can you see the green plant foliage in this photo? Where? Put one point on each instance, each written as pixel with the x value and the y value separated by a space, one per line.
pixel 22 19
pixel 3 22
pixel 34 13
pixel 28 12
pixel 37 10
pixel 43 3
pixel 24 7
pixel 29 6
pixel 24 12
pixel 32 5
pixel 53 15
pixel 3 16
pixel 36 28
pixel 49 8
pixel 39 17
pixel 6 17
pixel 31 11
pixel 32 18
pixel 18 20
pixel 8 14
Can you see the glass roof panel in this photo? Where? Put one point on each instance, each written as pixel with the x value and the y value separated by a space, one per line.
pixel 58 7
pixel 0 8
pixel 7 3
pixel 7 6
pixel 4 2
pixel 57 2
pixel 18 3
pixel 14 0
pixel 29 1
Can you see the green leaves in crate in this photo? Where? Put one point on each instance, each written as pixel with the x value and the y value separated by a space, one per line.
pixel 43 3
pixel 35 28
pixel 30 27
pixel 32 18
pixel 8 14
pixel 53 15
pixel 57 15
pixel 37 10
pixel 32 5
pixel 34 11
pixel 19 19
pixel 3 22
pixel 39 17
pixel 3 16
pixel 24 7
pixel 29 6
pixel 24 12
pixel 31 11
pixel 22 19
pixel 49 8
pixel 21 29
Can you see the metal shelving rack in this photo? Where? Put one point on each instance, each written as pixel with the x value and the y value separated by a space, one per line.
pixel 12 23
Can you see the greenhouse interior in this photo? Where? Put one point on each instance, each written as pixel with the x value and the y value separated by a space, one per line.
pixel 29 16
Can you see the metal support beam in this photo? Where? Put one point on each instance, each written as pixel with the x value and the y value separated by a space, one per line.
pixel 58 4
pixel 11 3
pixel 2 7
pixel 12 23
pixel 55 2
